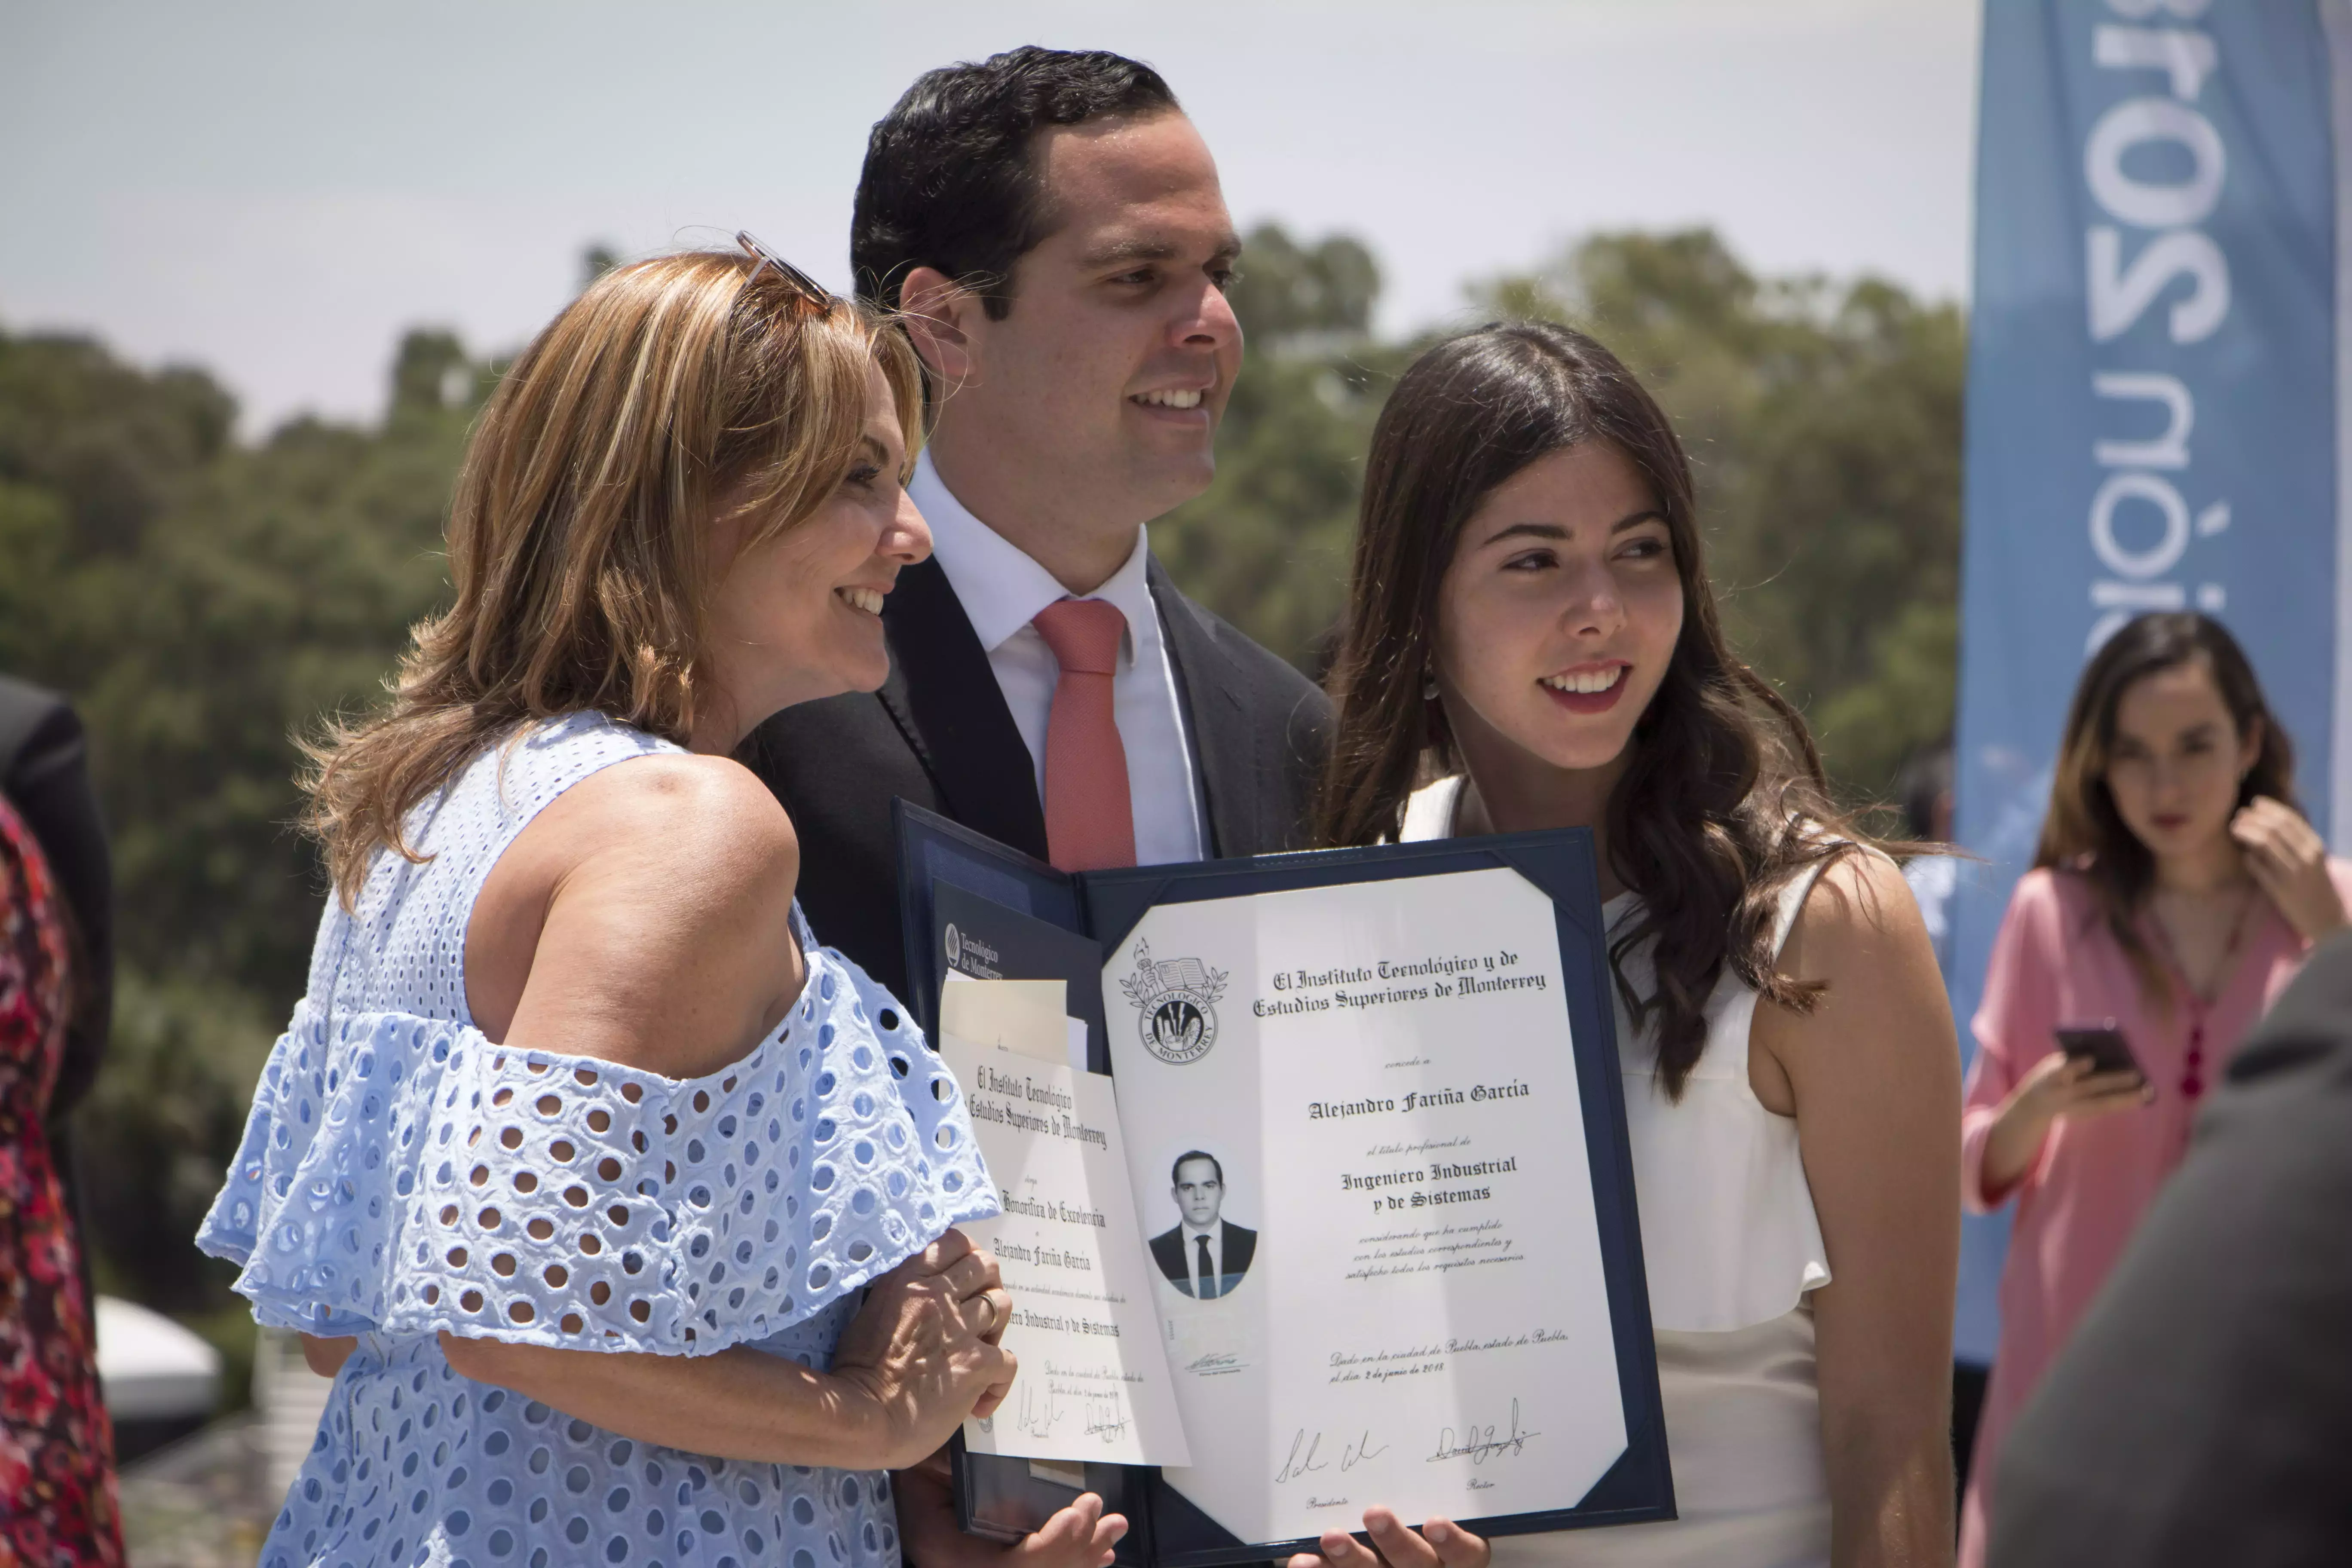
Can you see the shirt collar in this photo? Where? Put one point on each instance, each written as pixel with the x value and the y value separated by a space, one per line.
pixel 1209 1229
pixel 1001 588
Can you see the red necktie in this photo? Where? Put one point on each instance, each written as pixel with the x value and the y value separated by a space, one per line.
pixel 1089 815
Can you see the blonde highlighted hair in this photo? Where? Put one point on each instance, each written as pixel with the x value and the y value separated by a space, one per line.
pixel 670 393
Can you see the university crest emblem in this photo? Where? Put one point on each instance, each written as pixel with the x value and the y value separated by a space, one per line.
pixel 1177 1003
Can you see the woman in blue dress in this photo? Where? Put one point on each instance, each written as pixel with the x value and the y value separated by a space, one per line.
pixel 619 1209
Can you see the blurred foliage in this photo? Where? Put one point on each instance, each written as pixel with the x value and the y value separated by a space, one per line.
pixel 202 598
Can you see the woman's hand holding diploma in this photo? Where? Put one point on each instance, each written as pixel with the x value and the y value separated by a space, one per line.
pixel 920 1355
pixel 926 1341
pixel 1440 1543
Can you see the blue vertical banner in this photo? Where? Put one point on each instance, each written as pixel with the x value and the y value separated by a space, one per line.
pixel 2154 408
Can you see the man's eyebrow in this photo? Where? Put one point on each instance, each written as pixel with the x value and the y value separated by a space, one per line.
pixel 1139 248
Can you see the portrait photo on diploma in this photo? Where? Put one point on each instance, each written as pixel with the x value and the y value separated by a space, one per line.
pixel 1363 1178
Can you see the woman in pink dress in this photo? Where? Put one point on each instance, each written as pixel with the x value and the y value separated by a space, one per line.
pixel 2175 891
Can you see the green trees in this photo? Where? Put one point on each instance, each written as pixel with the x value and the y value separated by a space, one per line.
pixel 202 598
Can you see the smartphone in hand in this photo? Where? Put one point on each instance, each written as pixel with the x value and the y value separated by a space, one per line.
pixel 2101 1044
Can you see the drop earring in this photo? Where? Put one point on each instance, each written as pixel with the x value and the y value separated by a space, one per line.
pixel 1428 687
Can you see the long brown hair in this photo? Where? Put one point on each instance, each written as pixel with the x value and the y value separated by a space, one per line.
pixel 1724 796
pixel 671 392
pixel 2083 833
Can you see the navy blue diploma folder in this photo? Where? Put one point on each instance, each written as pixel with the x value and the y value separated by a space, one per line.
pixel 975 905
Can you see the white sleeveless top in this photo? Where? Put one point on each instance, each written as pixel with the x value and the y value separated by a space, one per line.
pixel 1731 1245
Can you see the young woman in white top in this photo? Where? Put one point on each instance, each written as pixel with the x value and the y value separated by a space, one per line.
pixel 1530 619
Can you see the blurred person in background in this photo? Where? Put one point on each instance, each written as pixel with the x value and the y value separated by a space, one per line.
pixel 45 775
pixel 566 1028
pixel 2176 890
pixel 1925 788
pixel 56 1447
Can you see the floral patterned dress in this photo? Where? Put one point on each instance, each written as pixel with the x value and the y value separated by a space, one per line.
pixel 56 1447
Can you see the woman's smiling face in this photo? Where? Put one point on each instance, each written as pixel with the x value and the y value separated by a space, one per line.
pixel 1558 614
pixel 798 616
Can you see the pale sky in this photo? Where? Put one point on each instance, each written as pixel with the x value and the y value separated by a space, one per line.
pixel 275 189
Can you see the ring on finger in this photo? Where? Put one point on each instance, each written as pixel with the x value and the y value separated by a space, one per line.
pixel 989 1301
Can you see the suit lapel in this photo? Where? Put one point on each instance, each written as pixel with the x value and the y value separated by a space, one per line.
pixel 944 696
pixel 1213 688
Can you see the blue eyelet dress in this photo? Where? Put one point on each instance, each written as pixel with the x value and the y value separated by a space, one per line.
pixel 401 1176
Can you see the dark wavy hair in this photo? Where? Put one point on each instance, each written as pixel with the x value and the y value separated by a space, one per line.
pixel 2083 832
pixel 950 181
pixel 1725 798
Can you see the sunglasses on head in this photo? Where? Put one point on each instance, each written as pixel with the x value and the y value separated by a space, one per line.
pixel 809 290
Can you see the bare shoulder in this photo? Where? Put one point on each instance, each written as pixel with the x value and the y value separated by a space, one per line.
pixel 1859 913
pixel 675 801
pixel 696 825
pixel 643 917
pixel 1882 1025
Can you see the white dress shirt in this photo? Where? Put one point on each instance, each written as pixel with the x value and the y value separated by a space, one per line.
pixel 1001 590
pixel 1216 1238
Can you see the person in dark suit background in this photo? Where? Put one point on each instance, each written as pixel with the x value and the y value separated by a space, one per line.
pixel 1052 226
pixel 2202 1411
pixel 1205 1255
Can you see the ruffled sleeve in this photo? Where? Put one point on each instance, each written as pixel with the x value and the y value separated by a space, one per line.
pixel 403 1175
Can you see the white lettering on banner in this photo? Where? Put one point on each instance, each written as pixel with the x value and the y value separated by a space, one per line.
pixel 2141 524
pixel 2188 58
pixel 2135 598
pixel 2147 203
pixel 2187 10
pixel 2156 559
pixel 2170 451
pixel 2119 293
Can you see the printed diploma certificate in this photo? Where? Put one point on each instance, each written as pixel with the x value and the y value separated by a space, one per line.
pixel 1369 1110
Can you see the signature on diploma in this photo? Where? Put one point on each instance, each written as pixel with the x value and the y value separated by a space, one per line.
pixel 1105 1419
pixel 1215 1362
pixel 1484 1442
pixel 1306 1456
pixel 1040 1412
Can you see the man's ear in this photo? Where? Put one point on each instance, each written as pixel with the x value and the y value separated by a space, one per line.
pixel 937 311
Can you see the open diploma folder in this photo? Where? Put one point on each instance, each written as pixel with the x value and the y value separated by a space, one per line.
pixel 1374 1136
